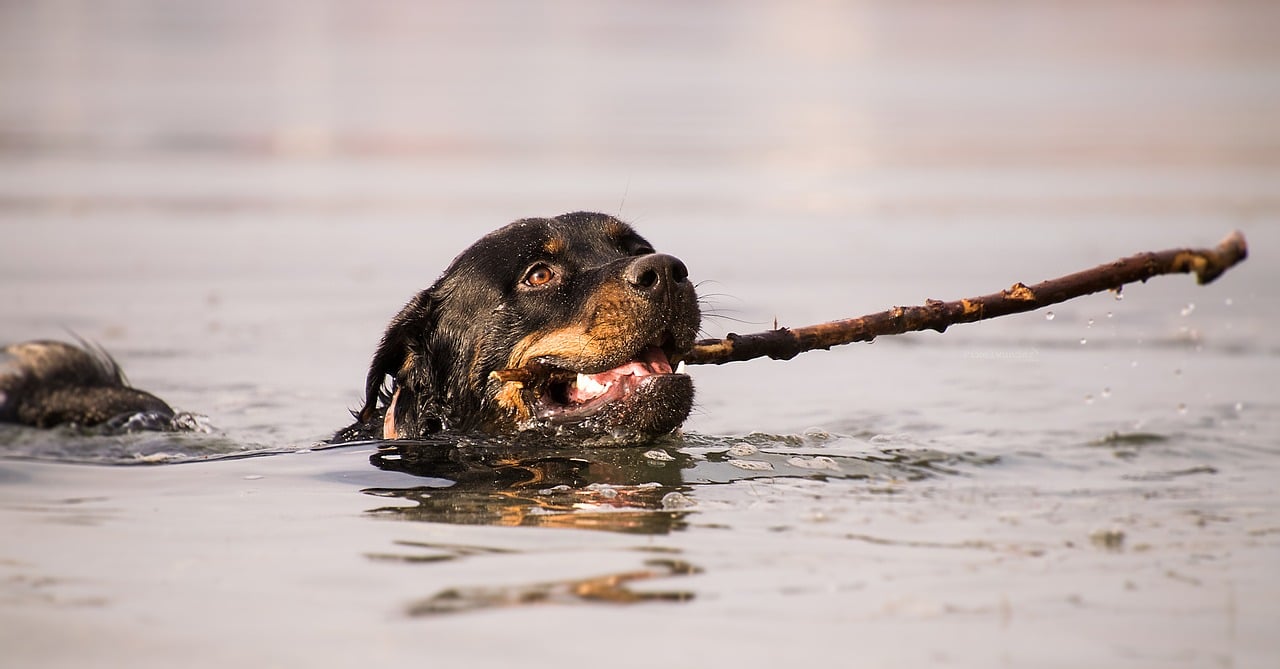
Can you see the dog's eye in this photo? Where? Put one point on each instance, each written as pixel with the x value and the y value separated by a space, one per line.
pixel 539 275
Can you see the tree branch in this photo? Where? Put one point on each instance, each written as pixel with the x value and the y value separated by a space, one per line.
pixel 786 343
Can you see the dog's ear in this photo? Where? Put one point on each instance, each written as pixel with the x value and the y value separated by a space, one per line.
pixel 413 323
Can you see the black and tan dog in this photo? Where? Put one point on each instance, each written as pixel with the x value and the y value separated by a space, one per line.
pixel 567 327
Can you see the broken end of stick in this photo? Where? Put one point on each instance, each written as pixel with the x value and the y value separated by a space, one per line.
pixel 1228 252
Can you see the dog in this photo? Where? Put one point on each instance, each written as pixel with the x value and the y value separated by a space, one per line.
pixel 564 328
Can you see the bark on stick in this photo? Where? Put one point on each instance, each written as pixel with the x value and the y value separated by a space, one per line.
pixel 786 343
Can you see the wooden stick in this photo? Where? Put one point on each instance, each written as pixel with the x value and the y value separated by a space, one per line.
pixel 786 343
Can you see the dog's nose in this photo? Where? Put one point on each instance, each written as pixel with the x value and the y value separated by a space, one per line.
pixel 656 272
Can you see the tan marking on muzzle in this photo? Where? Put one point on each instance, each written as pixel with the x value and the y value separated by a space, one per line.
pixel 570 342
pixel 511 398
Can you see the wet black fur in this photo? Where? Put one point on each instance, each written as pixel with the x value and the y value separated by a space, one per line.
pixel 48 383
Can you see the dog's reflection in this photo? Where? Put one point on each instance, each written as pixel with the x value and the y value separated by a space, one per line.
pixel 618 490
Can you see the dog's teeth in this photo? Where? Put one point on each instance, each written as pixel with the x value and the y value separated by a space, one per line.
pixel 589 386
pixel 680 367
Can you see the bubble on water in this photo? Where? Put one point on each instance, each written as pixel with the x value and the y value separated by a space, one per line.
pixel 1083 341
pixel 1048 315
pixel 676 500
pixel 1106 392
pixel 1182 408
pixel 816 462
pixel 1088 399
pixel 604 490
pixel 752 465
pixel 816 434
pixel 1191 306
pixel 1089 324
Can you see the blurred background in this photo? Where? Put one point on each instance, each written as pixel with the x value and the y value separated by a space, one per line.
pixel 237 195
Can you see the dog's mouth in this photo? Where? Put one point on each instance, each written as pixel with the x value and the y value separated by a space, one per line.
pixel 571 394
pixel 641 397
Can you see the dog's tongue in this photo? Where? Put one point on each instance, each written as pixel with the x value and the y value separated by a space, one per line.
pixel 590 386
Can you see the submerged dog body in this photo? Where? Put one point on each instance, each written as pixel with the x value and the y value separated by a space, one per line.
pixel 48 383
pixel 567 327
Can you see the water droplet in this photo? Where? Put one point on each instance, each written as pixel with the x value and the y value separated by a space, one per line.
pixel 1182 408
pixel 1229 301
pixel 1191 306
pixel 1119 296
pixel 1109 314
pixel 675 500
pixel 1048 315
pixel 1084 341
pixel 1106 392
pixel 1239 407
pixel 1089 324
pixel 1088 399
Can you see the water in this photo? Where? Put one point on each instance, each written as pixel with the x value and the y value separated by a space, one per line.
pixel 234 198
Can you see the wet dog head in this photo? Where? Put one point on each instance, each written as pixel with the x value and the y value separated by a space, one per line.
pixel 569 326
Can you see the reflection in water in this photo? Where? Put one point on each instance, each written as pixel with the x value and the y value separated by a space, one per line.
pixel 609 589
pixel 619 490
pixel 630 490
